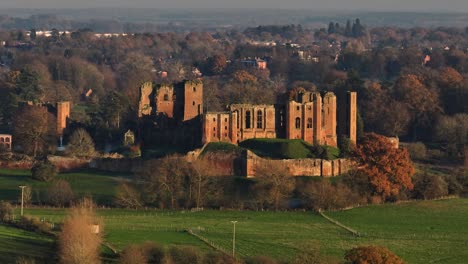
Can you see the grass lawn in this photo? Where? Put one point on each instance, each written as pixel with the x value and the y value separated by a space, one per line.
pixel 16 242
pixel 100 185
pixel 419 232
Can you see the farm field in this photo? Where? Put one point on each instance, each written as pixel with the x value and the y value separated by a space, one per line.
pixel 100 185
pixel 419 232
pixel 16 242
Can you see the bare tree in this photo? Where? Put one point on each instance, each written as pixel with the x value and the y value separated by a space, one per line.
pixel 164 180
pixel 78 243
pixel 274 183
pixel 128 197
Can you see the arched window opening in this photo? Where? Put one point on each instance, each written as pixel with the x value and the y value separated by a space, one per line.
pixel 259 119
pixel 247 119
pixel 166 97
pixel 298 123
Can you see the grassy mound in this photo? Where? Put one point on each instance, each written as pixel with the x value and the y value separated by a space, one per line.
pixel 221 147
pixel 288 149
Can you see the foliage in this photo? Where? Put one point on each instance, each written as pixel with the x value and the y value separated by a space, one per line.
pixel 77 242
pixel 44 171
pixel 323 195
pixel 428 186
pixel 27 85
pixel 165 181
pixel 127 197
pixel 417 150
pixel 80 144
pixel 60 193
pixel 183 255
pixel 388 169
pixel 274 183
pixel 372 254
pixel 32 223
pixel 34 130
pixel 148 252
pixel 6 212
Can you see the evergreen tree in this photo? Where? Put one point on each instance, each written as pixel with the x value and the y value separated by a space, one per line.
pixel 348 30
pixel 27 86
pixel 331 28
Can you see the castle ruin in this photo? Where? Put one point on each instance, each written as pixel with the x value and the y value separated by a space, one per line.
pixel 309 116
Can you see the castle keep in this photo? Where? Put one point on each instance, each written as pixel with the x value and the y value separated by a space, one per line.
pixel 309 116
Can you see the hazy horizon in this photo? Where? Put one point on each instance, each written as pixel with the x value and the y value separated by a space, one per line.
pixel 343 5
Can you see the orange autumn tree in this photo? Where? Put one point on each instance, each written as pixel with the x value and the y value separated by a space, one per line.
pixel 387 169
pixel 372 254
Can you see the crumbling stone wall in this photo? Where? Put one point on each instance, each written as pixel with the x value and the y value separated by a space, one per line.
pixel 144 105
pixel 300 167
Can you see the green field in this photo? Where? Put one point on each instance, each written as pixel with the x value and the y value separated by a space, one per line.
pixel 99 185
pixel 419 232
pixel 16 242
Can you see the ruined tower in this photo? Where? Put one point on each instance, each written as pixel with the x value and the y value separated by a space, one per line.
pixel 352 116
pixel 63 113
pixel 144 105
pixel 317 119
pixel 164 100
pixel 192 99
pixel 329 120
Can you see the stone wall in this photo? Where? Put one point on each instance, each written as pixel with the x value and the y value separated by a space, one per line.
pixel 300 167
pixel 242 164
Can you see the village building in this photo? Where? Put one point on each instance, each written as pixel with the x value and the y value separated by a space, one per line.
pixel 6 142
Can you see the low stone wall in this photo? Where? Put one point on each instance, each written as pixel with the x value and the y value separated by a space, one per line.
pixel 118 165
pixel 244 164
pixel 300 167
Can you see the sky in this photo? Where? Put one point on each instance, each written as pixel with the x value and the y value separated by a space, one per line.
pixel 345 5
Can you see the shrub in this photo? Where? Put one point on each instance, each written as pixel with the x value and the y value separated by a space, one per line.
pixel 44 171
pixel 417 150
pixel 60 193
pixel 77 241
pixel 34 224
pixel 128 197
pixel 80 144
pixel 133 254
pixel 372 254
pixel 184 255
pixel 6 212
pixel 324 195
pixel 429 186
pixel 218 258
pixel 260 260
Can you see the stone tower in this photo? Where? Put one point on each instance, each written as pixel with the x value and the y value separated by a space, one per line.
pixel 329 120
pixel 164 100
pixel 192 99
pixel 144 106
pixel 63 113
pixel 352 116
pixel 317 124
